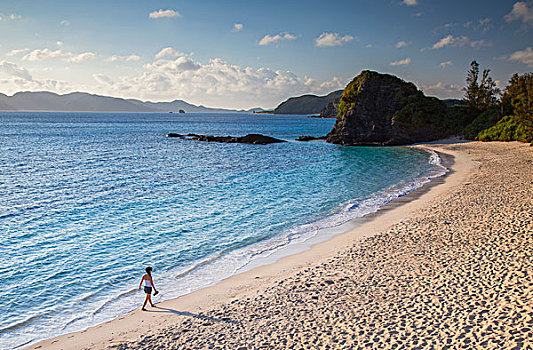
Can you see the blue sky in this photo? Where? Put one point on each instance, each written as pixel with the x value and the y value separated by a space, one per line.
pixel 243 54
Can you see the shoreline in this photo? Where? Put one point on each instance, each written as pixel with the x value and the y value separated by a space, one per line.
pixel 252 282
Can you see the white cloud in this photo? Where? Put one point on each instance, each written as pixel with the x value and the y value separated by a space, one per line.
pixel 64 23
pixel 81 57
pixel 237 27
pixel 164 14
pixel 117 58
pixel 215 83
pixel 459 41
pixel 521 12
pixel 401 44
pixel 13 70
pixel 524 56
pixel 268 39
pixel 19 79
pixel 180 64
pixel 445 64
pixel 15 84
pixel 45 54
pixel 451 41
pixel 10 17
pixel 17 51
pixel 103 79
pixel 59 43
pixel 476 44
pixel 443 28
pixel 403 62
pixel 410 2
pixel 484 24
pixel 441 89
pixel 332 39
pixel 168 52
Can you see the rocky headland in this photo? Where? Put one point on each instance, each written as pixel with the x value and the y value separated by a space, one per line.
pixel 381 109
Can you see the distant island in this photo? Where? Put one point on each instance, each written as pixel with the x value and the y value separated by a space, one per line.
pixel 85 102
pixel 306 104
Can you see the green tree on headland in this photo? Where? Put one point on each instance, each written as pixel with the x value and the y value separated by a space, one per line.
pixel 482 95
pixel 510 119
pixel 518 97
pixel 517 106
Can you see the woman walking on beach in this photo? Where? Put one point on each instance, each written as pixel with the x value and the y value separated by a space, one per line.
pixel 148 285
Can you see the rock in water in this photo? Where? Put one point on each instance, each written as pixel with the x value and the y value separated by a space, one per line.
pixel 381 109
pixel 256 139
pixel 311 138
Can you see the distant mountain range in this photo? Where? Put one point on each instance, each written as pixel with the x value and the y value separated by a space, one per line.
pixel 84 102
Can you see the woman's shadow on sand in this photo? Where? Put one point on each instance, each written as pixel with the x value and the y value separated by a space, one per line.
pixel 190 314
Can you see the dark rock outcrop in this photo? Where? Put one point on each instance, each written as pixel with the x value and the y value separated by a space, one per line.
pixel 331 110
pixel 256 139
pixel 381 109
pixel 311 138
pixel 306 104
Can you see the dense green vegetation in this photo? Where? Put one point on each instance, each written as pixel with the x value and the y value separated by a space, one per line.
pixel 509 128
pixel 407 94
pixel 481 121
pixel 507 119
pixel 418 109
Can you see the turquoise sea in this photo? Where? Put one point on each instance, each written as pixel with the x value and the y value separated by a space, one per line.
pixel 87 200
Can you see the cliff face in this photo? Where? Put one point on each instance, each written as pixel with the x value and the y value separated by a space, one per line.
pixel 331 110
pixel 381 109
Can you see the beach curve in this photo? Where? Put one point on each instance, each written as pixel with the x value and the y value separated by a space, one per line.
pixel 301 300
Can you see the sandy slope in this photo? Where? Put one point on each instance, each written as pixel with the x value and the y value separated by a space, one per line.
pixel 451 269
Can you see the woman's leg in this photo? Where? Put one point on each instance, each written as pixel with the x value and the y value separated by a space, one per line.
pixel 146 300
pixel 149 296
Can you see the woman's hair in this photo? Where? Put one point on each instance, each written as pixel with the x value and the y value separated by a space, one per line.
pixel 148 271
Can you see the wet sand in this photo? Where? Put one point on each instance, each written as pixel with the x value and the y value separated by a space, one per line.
pixel 448 267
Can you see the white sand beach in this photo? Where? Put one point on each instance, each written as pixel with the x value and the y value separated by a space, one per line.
pixel 448 267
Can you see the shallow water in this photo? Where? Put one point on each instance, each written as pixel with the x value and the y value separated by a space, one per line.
pixel 89 199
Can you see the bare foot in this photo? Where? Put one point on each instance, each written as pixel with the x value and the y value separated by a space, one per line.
pixel 143 309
